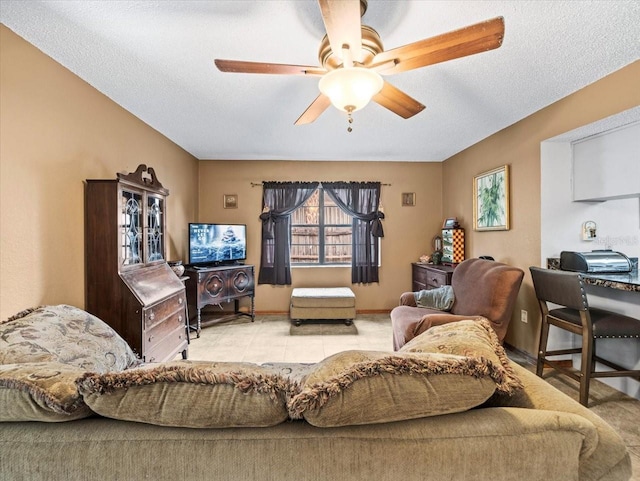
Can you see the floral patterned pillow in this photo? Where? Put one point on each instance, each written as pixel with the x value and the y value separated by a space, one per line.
pixel 64 334
pixel 470 338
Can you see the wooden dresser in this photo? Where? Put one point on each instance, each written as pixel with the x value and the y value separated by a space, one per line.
pixel 128 283
pixel 430 276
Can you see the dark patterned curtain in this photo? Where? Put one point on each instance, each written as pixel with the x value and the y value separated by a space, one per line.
pixel 361 200
pixel 279 200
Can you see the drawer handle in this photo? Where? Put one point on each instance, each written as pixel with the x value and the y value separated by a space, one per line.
pixel 150 338
pixel 152 316
pixel 153 359
pixel 179 319
pixel 180 300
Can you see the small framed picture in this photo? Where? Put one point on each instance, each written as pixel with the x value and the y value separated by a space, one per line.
pixel 408 199
pixel 450 223
pixel 230 201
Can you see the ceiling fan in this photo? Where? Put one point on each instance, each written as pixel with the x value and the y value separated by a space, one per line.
pixel 352 59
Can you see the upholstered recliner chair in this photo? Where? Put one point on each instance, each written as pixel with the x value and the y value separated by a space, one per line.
pixel 482 288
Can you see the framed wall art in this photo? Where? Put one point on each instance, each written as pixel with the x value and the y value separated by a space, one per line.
pixel 491 200
pixel 230 201
pixel 408 199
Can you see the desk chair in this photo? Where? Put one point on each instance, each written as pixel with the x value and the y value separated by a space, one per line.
pixel 566 289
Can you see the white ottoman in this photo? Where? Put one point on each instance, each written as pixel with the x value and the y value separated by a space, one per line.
pixel 322 303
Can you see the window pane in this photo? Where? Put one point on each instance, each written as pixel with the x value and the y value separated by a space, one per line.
pixel 305 244
pixel 334 215
pixel 337 245
pixel 320 232
pixel 305 215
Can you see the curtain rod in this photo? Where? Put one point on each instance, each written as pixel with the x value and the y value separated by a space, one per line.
pixel 259 184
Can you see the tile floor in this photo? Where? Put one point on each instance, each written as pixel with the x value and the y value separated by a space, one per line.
pixel 268 339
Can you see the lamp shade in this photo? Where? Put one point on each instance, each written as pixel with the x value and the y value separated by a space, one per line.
pixel 350 88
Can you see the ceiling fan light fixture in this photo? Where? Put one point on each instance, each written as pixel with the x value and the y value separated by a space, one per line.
pixel 350 88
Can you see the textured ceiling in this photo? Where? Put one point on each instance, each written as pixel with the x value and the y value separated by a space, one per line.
pixel 155 59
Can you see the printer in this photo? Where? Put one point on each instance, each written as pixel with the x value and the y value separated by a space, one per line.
pixel 595 262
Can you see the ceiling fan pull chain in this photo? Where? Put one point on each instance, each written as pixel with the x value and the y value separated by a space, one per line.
pixel 350 120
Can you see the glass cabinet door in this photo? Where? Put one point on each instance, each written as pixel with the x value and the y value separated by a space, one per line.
pixel 155 228
pixel 131 245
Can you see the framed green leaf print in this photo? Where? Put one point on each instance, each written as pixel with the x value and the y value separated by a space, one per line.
pixel 491 200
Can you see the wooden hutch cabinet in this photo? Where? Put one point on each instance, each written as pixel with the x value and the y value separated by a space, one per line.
pixel 128 283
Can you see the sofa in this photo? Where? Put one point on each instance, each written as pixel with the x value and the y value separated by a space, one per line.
pixel 449 405
pixel 481 289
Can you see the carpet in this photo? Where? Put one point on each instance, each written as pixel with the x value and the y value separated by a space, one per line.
pixel 323 328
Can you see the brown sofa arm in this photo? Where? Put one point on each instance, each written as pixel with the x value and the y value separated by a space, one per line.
pixel 408 299
pixel 430 320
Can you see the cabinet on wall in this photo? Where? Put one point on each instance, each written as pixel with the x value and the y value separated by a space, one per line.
pixel 128 283
pixel 218 284
pixel 429 276
pixel 606 166
pixel 453 245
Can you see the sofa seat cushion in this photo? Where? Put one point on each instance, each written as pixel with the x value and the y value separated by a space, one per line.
pixel 40 391
pixel 194 394
pixel 63 334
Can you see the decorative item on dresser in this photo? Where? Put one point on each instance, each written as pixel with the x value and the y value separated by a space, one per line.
pixel 453 245
pixel 429 276
pixel 128 282
pixel 214 285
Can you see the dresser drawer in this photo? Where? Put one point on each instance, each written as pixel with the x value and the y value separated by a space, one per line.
pixel 158 332
pixel 168 347
pixel 157 313
pixel 436 279
pixel 430 277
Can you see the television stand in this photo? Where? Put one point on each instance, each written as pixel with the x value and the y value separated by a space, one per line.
pixel 215 285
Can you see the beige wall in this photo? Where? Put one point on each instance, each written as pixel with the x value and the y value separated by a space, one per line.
pixel 57 131
pixel 408 230
pixel 519 146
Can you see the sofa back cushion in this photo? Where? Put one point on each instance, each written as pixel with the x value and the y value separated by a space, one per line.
pixel 40 391
pixel 195 394
pixel 370 387
pixel 486 288
pixel 448 369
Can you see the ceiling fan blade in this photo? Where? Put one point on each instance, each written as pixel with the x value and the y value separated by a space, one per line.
pixel 397 101
pixel 342 22
pixel 470 40
pixel 239 66
pixel 314 110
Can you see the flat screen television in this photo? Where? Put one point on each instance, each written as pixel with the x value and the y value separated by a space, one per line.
pixel 213 244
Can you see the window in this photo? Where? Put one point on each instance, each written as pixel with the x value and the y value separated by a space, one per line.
pixel 320 233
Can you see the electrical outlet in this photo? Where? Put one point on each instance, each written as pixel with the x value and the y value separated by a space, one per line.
pixel 524 316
